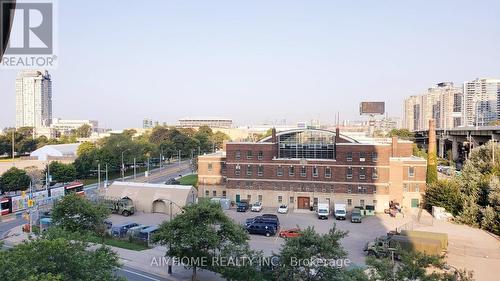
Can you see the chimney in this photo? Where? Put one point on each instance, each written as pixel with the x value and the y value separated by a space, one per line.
pixel 273 135
pixel 394 146
pixel 431 149
pixel 337 135
pixel 274 140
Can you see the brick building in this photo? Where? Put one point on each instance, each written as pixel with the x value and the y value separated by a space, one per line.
pixel 304 167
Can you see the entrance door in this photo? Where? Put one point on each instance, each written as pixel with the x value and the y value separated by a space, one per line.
pixel 159 206
pixel 303 202
pixel 237 198
pixel 414 203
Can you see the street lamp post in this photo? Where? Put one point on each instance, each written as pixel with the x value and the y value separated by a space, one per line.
pixel 98 175
pixel 123 165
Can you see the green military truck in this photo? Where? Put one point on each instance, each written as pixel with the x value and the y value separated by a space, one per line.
pixel 430 243
pixel 124 206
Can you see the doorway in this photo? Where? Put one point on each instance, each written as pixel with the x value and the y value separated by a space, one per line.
pixel 159 206
pixel 303 202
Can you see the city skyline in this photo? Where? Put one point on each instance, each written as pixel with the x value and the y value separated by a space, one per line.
pixel 196 59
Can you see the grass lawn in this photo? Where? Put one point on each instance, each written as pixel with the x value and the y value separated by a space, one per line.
pixel 124 244
pixel 189 180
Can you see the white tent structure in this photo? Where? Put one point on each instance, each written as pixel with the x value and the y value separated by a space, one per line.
pixel 154 198
pixel 56 151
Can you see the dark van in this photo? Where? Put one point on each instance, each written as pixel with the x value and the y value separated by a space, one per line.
pixel 268 220
pixel 261 229
pixel 242 206
pixel 121 230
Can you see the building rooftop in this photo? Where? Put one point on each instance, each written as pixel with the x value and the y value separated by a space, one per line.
pixel 152 185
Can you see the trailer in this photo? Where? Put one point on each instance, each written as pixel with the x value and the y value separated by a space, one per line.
pixel 441 237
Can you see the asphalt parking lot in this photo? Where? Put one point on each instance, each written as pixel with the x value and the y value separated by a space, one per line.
pixel 354 242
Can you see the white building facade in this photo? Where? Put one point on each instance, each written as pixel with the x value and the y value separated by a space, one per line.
pixel 442 102
pixel 481 101
pixel 33 99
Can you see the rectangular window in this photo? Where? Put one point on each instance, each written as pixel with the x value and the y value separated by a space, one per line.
pixel 374 189
pixel 237 170
pixel 375 173
pixel 349 202
pixel 362 203
pixel 249 170
pixel 374 157
pixel 224 194
pixel 291 199
pixel 238 155
pixel 362 173
pixel 260 197
pixel 249 197
pixel 280 199
pixel 328 172
pixel 411 172
pixel 210 167
pixel 279 171
pixel 375 203
pixel 207 193
pixel 249 154
pixel 349 173
pixel 349 156
pixel 315 171
pixel 362 157
pixel 349 189
pixel 417 188
pixel 260 170
pixel 260 156
pixel 303 171
pixel 291 171
pixel 214 193
pixel 405 187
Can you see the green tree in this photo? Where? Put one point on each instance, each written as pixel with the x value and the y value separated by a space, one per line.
pixel 84 131
pixel 58 259
pixel 61 172
pixel 218 139
pixel 444 193
pixel 202 231
pixel 309 248
pixel 159 134
pixel 14 179
pixel 85 147
pixel 77 214
pixel 402 134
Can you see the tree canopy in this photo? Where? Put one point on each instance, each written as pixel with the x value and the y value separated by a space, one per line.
pixel 202 231
pixel 58 259
pixel 77 214
pixel 61 172
pixel 14 179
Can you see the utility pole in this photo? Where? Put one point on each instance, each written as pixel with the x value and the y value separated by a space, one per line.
pixel 169 270
pixel 106 182
pixel 13 144
pixel 135 169
pixel 179 160
pixel 98 175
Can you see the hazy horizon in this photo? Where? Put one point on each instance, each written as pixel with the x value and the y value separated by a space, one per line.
pixel 258 61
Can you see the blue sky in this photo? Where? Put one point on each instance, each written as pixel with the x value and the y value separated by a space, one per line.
pixel 257 61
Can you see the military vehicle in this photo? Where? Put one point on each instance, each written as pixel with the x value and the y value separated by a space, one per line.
pixel 385 246
pixel 124 206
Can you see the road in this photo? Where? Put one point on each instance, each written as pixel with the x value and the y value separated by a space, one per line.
pixel 132 274
pixel 5 226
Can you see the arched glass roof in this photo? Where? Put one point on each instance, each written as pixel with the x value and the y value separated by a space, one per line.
pixel 307 143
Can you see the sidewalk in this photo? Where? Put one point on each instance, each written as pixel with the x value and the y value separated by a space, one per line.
pixel 151 261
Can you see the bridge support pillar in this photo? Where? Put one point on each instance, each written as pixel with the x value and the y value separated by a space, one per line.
pixel 441 147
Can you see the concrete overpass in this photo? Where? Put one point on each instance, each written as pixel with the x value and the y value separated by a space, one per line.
pixel 459 140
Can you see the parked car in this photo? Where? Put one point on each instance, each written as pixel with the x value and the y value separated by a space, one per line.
pixel 356 215
pixel 121 230
pixel 269 220
pixel 257 207
pixel 261 228
pixel 242 206
pixel 283 209
pixel 290 233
